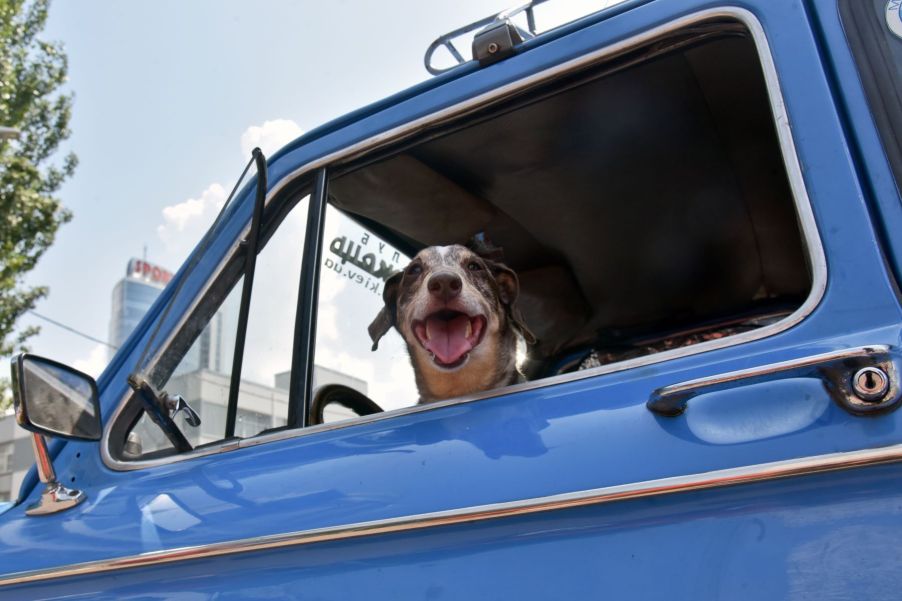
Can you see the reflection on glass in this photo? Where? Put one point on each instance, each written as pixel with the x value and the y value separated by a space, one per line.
pixel 148 438
pixel 202 375
pixel 354 268
pixel 59 401
pixel 263 393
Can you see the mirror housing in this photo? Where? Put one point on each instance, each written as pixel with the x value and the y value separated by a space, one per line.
pixel 53 399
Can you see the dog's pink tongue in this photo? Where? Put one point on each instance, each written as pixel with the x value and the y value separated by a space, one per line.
pixel 448 340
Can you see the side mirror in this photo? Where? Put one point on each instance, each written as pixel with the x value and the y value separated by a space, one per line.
pixel 55 400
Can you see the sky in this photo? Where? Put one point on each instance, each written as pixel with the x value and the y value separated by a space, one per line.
pixel 171 96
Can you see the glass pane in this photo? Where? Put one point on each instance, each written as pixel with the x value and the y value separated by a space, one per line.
pixel 265 373
pixel 356 264
pixel 202 375
pixel 146 437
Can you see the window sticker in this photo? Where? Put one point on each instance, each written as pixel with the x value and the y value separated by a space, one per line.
pixel 893 17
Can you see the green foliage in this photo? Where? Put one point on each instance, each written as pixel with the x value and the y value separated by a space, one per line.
pixel 32 72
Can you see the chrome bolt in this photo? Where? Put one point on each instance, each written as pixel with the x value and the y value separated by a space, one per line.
pixel 493 47
pixel 870 384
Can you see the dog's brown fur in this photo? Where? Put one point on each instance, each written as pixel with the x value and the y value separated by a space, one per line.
pixel 454 278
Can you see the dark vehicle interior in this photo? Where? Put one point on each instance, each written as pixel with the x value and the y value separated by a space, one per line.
pixel 644 203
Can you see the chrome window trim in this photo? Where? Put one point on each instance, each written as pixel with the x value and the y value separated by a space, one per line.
pixel 663 486
pixel 804 213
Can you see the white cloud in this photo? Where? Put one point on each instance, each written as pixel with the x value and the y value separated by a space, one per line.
pixel 185 223
pixel 269 137
pixel 327 321
pixel 270 328
pixel 330 291
pixel 95 362
pixel 398 389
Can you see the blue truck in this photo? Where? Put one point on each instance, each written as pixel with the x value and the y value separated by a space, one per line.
pixel 699 199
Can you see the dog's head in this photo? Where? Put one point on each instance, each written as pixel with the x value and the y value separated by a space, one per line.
pixel 456 311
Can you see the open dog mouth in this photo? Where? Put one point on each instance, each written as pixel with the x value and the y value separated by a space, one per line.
pixel 449 336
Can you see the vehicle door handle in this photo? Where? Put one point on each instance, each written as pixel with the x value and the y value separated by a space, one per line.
pixel 862 380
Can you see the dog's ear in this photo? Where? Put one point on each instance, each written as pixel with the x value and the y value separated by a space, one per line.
pixel 385 319
pixel 480 245
pixel 517 319
pixel 509 290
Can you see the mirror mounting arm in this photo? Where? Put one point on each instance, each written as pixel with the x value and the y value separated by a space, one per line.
pixel 55 497
pixel 53 399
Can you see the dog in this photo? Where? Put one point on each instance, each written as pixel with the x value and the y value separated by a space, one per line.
pixel 456 311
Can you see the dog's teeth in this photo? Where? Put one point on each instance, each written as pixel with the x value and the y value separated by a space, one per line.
pixel 469 330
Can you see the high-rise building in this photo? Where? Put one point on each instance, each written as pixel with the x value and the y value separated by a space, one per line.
pixel 132 297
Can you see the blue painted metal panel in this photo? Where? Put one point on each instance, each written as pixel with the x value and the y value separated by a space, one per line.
pixel 823 533
pixel 871 162
pixel 815 538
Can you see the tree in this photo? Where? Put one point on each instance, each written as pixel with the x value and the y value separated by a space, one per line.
pixel 32 72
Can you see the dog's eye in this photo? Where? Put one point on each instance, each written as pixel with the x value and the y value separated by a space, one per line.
pixel 474 266
pixel 414 269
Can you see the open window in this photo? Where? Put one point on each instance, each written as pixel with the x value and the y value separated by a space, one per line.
pixel 642 199
pixel 643 202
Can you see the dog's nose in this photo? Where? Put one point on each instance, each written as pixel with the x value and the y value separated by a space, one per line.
pixel 444 285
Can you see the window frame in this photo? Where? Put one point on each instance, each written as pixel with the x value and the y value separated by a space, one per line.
pixel 221 282
pixel 385 140
pixel 868 37
pixel 301 377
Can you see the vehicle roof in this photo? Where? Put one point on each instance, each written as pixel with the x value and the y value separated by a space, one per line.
pixel 449 76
